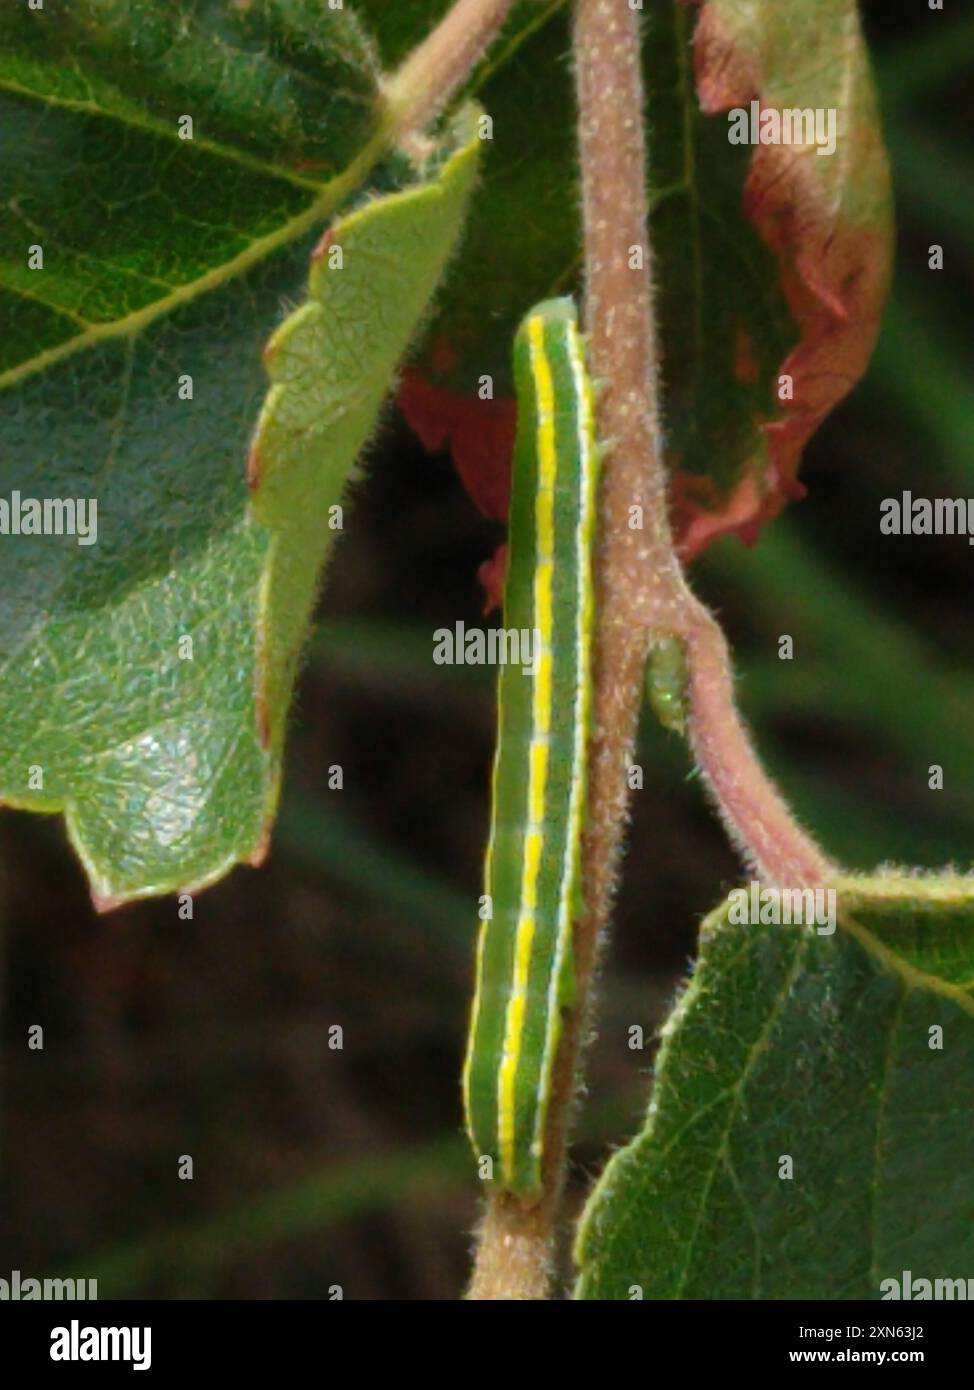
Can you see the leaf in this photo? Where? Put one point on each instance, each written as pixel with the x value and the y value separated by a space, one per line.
pixel 768 261
pixel 827 219
pixel 289 81
pixel 329 365
pixel 167 261
pixel 822 1048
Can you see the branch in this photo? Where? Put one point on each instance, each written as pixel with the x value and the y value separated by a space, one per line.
pixel 428 78
pixel 758 821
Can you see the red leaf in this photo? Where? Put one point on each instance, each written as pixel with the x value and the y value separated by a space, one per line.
pixel 479 435
pixel 827 220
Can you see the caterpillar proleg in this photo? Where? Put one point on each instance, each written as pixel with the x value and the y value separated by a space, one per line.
pixel 525 974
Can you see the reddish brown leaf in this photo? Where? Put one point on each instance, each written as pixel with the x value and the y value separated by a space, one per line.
pixel 826 218
pixel 479 435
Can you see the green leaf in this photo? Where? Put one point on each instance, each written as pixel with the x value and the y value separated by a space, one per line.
pixel 823 1049
pixel 289 81
pixel 167 260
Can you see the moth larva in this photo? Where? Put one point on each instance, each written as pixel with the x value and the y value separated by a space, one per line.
pixel 525 974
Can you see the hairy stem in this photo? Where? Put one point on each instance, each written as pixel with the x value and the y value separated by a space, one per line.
pixel 641 593
pixel 756 817
pixel 428 78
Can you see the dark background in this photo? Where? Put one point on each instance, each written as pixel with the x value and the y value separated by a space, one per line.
pixel 316 1167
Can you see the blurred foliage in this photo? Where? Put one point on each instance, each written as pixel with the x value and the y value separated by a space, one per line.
pixel 210 1037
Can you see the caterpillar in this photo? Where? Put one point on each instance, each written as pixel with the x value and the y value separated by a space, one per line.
pixel 524 968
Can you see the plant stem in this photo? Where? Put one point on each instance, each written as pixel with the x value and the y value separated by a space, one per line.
pixel 641 593
pixel 428 78
pixel 754 813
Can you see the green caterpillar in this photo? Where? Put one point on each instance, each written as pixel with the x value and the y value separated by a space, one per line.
pixel 525 974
